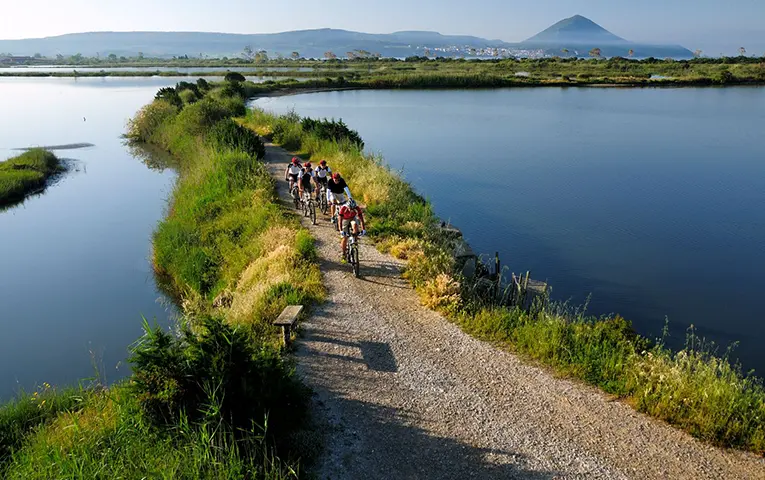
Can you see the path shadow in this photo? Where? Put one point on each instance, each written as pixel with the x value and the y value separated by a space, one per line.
pixel 377 356
pixel 369 441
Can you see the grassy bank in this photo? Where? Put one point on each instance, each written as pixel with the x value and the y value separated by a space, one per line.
pixel 26 173
pixel 693 389
pixel 420 72
pixel 217 399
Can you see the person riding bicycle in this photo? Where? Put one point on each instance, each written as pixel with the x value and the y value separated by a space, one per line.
pixel 322 175
pixel 350 217
pixel 293 171
pixel 337 190
pixel 306 180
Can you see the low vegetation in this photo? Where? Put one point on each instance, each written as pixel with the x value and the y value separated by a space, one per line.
pixel 694 389
pixel 217 398
pixel 422 72
pixel 21 175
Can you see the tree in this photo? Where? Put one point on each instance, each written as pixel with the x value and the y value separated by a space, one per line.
pixel 38 55
pixel 631 53
pixel 427 52
pixel 140 55
pixel 112 57
pixel 697 53
pixel 329 55
pixel 742 51
pixel 248 53
pixel 261 56
pixel 595 52
pixel 295 55
pixel 564 51
pixel 350 55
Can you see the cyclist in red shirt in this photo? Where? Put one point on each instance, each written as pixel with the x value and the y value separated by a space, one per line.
pixel 350 217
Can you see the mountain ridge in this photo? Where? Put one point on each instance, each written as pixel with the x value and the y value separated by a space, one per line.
pixel 573 34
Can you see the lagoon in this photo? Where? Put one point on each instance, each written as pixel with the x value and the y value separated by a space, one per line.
pixel 649 200
pixel 75 275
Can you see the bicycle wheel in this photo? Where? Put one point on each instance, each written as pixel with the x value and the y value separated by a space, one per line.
pixel 324 205
pixel 312 211
pixel 355 260
pixel 295 198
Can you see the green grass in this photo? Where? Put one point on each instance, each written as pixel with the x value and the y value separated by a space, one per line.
pixel 218 399
pixel 459 73
pixel 107 436
pixel 694 389
pixel 26 173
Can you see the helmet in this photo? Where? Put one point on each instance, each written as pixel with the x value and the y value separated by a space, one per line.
pixel 352 204
pixel 323 163
pixel 307 165
pixel 335 176
pixel 295 160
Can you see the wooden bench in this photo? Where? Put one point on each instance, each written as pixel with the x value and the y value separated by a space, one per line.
pixel 287 320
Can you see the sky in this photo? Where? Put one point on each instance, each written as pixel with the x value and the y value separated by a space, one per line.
pixel 706 24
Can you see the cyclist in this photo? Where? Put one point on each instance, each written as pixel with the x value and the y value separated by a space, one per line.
pixel 322 174
pixel 306 180
pixel 337 190
pixel 350 216
pixel 293 172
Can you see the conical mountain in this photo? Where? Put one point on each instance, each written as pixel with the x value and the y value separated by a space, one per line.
pixel 575 30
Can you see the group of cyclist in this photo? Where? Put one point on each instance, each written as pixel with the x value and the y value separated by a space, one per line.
pixel 346 214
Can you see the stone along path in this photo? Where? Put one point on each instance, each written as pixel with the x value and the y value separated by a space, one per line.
pixel 403 393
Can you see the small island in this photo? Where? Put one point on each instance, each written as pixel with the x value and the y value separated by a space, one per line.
pixel 25 174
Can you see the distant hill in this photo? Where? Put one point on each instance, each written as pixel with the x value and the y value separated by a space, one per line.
pixel 579 35
pixel 309 43
pixel 576 29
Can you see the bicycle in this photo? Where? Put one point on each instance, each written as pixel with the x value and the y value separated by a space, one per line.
pixel 323 204
pixel 352 253
pixel 294 193
pixel 309 206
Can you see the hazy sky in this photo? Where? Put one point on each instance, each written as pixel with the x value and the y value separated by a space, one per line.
pixel 705 24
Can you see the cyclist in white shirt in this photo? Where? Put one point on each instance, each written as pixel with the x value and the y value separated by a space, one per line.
pixel 293 172
pixel 322 174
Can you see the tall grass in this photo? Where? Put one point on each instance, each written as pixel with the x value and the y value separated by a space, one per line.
pixel 217 399
pixel 695 389
pixel 109 437
pixel 25 173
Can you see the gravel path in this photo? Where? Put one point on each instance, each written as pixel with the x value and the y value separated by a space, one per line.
pixel 403 393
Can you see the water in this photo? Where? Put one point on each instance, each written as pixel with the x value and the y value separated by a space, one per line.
pixel 75 276
pixel 651 200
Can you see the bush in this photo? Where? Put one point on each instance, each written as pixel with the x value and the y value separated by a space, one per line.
pixel 337 131
pixel 234 77
pixel 149 118
pixel 196 118
pixel 203 85
pixel 229 134
pixel 170 95
pixel 188 97
pixel 220 373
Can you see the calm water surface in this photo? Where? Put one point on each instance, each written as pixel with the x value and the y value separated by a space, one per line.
pixel 651 200
pixel 74 271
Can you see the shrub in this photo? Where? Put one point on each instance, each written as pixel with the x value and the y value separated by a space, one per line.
pixel 337 131
pixel 170 95
pixel 229 134
pixel 196 118
pixel 149 118
pixel 188 97
pixel 232 89
pixel 203 85
pixel 234 77
pixel 220 373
